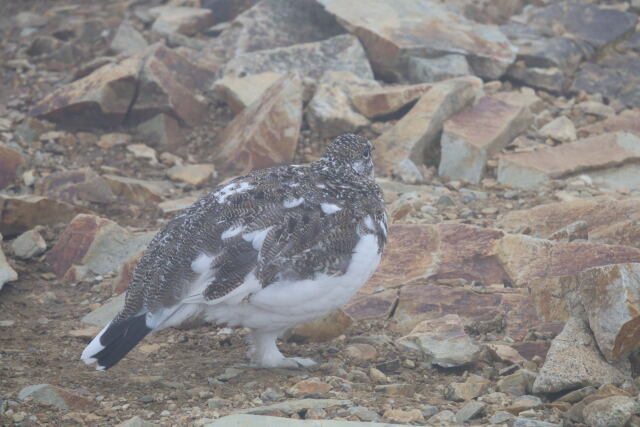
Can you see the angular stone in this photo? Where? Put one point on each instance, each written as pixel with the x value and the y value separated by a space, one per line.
pixel 195 175
pixel 627 121
pixel 606 157
pixel 526 98
pixel 183 20
pixel 111 140
pixel 339 53
pixel 505 353
pixel 275 23
pixel 163 80
pixel 264 134
pixel 76 186
pixel 560 129
pixel 330 112
pixel 7 273
pixel 137 190
pixel 417 133
pixel 294 406
pixel 321 330
pixel 610 411
pixel 240 92
pixel 473 387
pixel 21 213
pixel 391 33
pixel 530 422
pixel 610 296
pixel 91 244
pixel 442 341
pixel 472 136
pixel 387 100
pixel 402 389
pixel 524 403
pixel 104 314
pixel 307 387
pixel 11 162
pixel 128 41
pixel 56 396
pixel 372 305
pixel 426 70
pixel 608 221
pixel 517 384
pixel 136 422
pixel 361 351
pixel 176 205
pixel 595 108
pixel 163 132
pixel 29 244
pixel 469 411
pixel 403 416
pixel 260 420
pixel 574 361
pixel 615 77
pixel 550 79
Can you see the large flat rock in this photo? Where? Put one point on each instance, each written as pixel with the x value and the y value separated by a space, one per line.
pixel 21 213
pixel 393 32
pixel 10 163
pixel 607 158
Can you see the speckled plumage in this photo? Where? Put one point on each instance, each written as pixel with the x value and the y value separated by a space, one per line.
pixel 282 225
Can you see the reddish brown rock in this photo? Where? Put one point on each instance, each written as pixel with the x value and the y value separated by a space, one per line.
pixel 163 80
pixel 76 186
pixel 371 306
pixel 361 351
pixel 627 121
pixel 310 386
pixel 125 274
pixel 405 147
pixel 474 135
pixel 387 100
pixel 607 158
pixel 608 221
pixel 137 190
pixel 264 134
pixel 240 92
pixel 321 330
pixel 91 244
pixel 21 213
pixel 10 163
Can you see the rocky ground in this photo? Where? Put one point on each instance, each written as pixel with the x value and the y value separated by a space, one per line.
pixel 507 139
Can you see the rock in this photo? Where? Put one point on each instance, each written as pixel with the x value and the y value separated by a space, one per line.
pixel 7 273
pixel 294 406
pixel 524 403
pixel 472 136
pixel 127 41
pixel 104 314
pixel 607 221
pixel 111 140
pixel 76 186
pixel 529 422
pixel 11 162
pixel 240 92
pixel 501 417
pixel 309 387
pixel 387 100
pixel 560 129
pixel 339 53
pixel 517 384
pixel 142 151
pixel 29 244
pixel 396 389
pixel 182 20
pixel 443 342
pixel 549 79
pixel 364 414
pixel 93 245
pixel 177 205
pixel 413 138
pixel 274 24
pixel 525 98
pixel 607 157
pixel 473 387
pixel 361 351
pixel 610 411
pixel 505 353
pixel 610 297
pixel 137 190
pixel 403 416
pixel 321 330
pixel 330 112
pixel 196 175
pixel 56 396
pixel 445 417
pixel 627 121
pixel 136 422
pixel 21 213
pixel 577 395
pixel 264 134
pixel 469 411
pixel 574 361
pixel 615 77
pixel 259 420
pixel 425 70
pixel 158 80
pixel 163 132
pixel 392 35
pixel 595 108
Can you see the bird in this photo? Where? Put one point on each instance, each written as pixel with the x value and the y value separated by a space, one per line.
pixel 266 251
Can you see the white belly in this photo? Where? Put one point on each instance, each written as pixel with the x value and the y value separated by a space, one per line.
pixel 282 305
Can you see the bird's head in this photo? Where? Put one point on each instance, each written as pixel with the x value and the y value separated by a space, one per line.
pixel 353 151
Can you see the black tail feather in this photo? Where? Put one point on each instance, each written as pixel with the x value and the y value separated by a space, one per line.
pixel 119 339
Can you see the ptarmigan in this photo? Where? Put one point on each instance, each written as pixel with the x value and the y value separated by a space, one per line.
pixel 267 251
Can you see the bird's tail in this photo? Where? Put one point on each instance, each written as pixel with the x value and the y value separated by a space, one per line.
pixel 115 341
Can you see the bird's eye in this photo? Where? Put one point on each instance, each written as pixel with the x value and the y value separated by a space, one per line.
pixel 367 153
